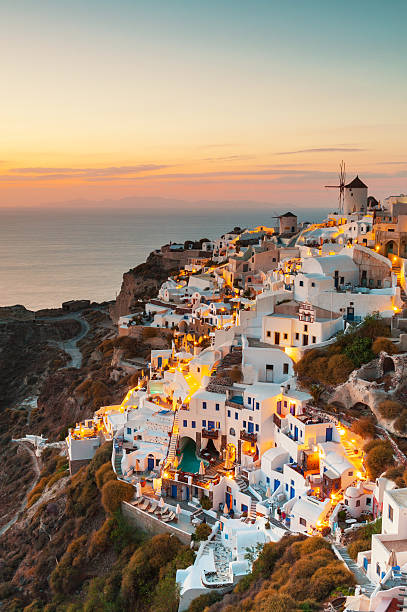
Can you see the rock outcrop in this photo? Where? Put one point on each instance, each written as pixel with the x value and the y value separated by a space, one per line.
pixel 142 282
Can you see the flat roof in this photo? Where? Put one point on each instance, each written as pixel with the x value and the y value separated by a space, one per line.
pixel 399 496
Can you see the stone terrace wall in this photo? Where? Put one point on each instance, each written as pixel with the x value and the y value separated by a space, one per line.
pixel 152 525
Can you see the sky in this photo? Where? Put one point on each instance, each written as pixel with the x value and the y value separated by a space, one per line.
pixel 189 100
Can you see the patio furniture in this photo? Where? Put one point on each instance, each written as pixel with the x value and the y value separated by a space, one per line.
pixel 144 505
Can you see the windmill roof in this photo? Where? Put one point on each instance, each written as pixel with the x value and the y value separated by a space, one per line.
pixel 287 214
pixel 356 184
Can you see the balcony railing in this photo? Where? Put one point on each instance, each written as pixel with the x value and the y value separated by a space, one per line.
pixel 248 437
pixel 210 433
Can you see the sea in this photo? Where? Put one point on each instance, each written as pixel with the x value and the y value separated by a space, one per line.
pixel 48 256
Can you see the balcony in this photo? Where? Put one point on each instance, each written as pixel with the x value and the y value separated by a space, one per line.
pixel 212 434
pixel 248 437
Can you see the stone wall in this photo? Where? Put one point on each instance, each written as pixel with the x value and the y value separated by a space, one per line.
pixel 151 524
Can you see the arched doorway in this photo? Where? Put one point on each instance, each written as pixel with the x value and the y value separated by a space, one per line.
pixel 391 248
pixel 388 365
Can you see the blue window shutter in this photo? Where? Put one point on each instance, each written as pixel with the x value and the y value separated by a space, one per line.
pixel 204 423
pixel 204 405
pixel 185 423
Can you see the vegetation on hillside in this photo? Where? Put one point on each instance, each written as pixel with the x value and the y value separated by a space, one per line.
pixel 333 364
pixel 297 573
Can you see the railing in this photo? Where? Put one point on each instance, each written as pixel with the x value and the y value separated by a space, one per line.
pixel 248 437
pixel 210 433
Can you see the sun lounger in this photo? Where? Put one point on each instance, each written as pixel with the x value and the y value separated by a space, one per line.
pixel 152 509
pixel 138 501
pixel 144 505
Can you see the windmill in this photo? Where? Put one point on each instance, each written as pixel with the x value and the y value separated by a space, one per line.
pixel 341 186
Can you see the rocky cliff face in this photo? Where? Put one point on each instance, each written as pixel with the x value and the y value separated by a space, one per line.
pixel 142 282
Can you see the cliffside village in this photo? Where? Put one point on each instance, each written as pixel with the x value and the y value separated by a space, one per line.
pixel 218 431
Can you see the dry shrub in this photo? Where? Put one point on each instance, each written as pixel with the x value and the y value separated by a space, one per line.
pixel 104 474
pixel 100 539
pixel 364 427
pixel 390 409
pixel 113 493
pixel 384 344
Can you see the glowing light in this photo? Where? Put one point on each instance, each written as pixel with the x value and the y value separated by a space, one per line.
pixel 342 432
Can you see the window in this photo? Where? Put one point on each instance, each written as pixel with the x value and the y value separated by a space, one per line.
pixel 285 404
pixel 285 336
pixel 217 424
pixel 301 283
pixel 346 502
pixel 286 487
pixel 198 370
pixel 257 428
pixel 217 407
pixel 244 423
pixel 232 432
pixel 249 400
pixel 203 423
pixel 267 480
pixel 368 501
pixel 312 284
pixel 204 405
pixel 193 424
pixel 236 416
pixel 257 406
pixel 391 513
pixel 297 336
pixel 378 569
pixel 268 334
pixel 303 522
pixel 228 413
pixel 350 473
pixel 357 503
pixel 185 423
pixel 129 430
pixel 314 339
pixel 305 328
pixel 285 368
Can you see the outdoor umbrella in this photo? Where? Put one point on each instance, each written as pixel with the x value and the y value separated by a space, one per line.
pixel 175 462
pixel 201 468
pixel 178 510
pixel 268 492
pixel 162 503
pixel 138 490
pixel 392 561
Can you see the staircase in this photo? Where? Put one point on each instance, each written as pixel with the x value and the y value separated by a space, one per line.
pixel 243 484
pixel 360 576
pixel 402 598
pixel 252 511
pixel 172 449
pixel 118 464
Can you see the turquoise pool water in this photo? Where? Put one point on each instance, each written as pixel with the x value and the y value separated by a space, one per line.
pixel 190 462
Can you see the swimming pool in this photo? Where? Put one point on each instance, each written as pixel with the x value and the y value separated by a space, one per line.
pixel 190 462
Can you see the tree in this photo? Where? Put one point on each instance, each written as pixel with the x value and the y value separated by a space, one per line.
pixel 384 344
pixel 202 532
pixel 364 427
pixel 113 493
pixel 359 351
pixel 379 458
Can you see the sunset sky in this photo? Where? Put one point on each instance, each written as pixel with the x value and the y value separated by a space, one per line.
pixel 190 100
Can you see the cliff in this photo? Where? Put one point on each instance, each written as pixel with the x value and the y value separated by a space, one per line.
pixel 143 282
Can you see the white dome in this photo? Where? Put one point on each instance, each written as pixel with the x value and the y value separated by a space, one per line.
pixel 353 492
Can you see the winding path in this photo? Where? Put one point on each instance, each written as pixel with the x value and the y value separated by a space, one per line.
pixel 70 346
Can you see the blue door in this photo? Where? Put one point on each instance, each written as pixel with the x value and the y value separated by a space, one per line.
pixel 245 508
pixel 229 500
pixel 159 362
pixel 211 425
pixel 365 564
pixel 295 433
pixel 276 484
pixel 250 427
pixel 150 463
pixel 174 491
pixel 292 492
pixel 328 435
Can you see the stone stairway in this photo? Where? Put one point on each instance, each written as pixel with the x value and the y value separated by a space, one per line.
pixel 402 598
pixel 172 449
pixel 360 576
pixel 252 510
pixel 118 464
pixel 243 484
